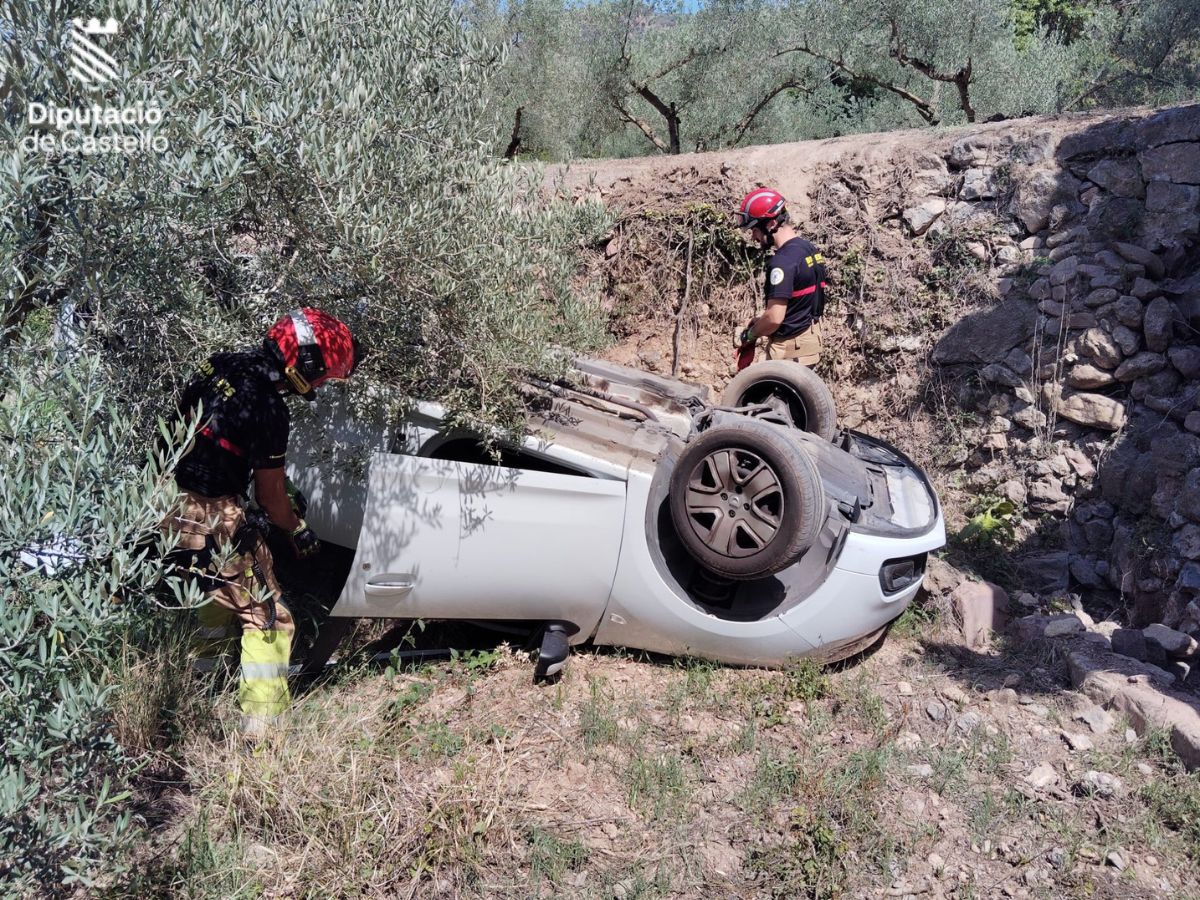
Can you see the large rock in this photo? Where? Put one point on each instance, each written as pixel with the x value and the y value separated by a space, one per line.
pixel 998 373
pixel 1114 682
pixel 1174 643
pixel 1115 217
pixel 932 179
pixel 1140 366
pixel 1145 289
pixel 974 149
pixel 987 336
pixel 1079 462
pixel 1181 123
pixel 1129 642
pixel 1180 200
pixel 1129 311
pixel 1186 541
pixel 1107 138
pixel 1063 626
pixel 1189 578
pixel 1179 163
pixel 1030 417
pixel 1098 344
pixel 1087 377
pixel 1140 256
pixel 1158 326
pixel 1126 339
pixel 978 184
pixel 1118 176
pixel 1065 270
pixel 1186 360
pixel 919 218
pixel 941 577
pixel 1092 410
pixel 1127 479
pixel 1038 193
pixel 1046 494
pixel 1173 453
pixel 981 608
pixel 1100 297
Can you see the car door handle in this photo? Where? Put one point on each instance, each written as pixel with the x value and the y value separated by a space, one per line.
pixel 387 586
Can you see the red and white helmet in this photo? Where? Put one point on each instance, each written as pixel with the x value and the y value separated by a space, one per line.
pixel 760 206
pixel 311 346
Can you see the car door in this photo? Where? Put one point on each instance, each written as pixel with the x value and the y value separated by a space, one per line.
pixel 447 540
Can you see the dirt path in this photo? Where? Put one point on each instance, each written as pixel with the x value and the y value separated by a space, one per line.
pixel 795 169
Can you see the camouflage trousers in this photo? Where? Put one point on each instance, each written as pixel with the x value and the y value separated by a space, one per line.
pixel 234 568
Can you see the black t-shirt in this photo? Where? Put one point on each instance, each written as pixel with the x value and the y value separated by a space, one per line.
pixel 244 424
pixel 796 273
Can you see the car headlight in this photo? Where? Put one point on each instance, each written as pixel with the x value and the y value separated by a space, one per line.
pixel 897 574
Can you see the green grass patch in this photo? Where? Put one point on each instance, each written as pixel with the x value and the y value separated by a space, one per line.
pixel 551 857
pixel 597 724
pixel 658 785
pixel 1175 803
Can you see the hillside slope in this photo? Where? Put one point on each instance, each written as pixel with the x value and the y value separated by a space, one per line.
pixel 1015 303
pixel 1016 306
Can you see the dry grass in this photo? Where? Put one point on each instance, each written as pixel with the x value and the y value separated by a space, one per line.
pixel 635 778
pixel 156 698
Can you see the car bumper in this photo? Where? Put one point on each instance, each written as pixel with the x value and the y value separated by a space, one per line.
pixel 646 611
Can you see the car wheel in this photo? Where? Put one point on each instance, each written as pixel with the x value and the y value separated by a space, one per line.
pixel 793 395
pixel 745 501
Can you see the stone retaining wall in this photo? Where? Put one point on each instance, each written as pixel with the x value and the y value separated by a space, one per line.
pixel 1090 359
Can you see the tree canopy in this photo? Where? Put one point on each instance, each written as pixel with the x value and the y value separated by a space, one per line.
pixel 631 77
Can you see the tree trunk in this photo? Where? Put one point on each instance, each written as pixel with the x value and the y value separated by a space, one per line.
pixel 668 111
pixel 514 143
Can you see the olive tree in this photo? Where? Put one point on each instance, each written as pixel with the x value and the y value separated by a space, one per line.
pixel 1139 52
pixel 336 153
pixel 941 60
pixel 78 558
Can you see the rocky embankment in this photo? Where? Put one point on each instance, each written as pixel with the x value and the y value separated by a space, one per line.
pixel 1092 371
pixel 1062 376
pixel 1097 327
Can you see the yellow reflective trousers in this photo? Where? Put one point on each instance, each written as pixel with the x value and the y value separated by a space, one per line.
pixel 207 527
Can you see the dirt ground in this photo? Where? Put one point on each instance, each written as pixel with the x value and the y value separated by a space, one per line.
pixel 921 770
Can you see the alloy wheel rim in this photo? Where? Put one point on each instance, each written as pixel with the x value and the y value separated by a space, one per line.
pixel 734 502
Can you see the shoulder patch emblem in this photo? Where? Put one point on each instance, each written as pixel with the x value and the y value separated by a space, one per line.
pixel 776 276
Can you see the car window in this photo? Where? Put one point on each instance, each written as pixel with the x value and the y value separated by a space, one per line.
pixel 468 450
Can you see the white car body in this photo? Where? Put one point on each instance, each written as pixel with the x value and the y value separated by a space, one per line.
pixel 438 538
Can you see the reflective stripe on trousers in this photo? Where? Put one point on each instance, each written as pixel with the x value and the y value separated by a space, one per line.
pixel 263 688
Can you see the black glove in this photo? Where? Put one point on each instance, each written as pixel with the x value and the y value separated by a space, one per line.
pixel 305 543
pixel 258 519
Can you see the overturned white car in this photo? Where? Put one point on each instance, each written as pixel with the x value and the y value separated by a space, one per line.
pixel 641 515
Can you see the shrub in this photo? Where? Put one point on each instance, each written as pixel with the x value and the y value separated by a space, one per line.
pixel 77 536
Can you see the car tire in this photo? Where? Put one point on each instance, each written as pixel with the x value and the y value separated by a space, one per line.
pixel 797 392
pixel 745 501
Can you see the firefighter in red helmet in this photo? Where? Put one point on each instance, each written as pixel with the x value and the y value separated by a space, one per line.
pixel 241 437
pixel 795 283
